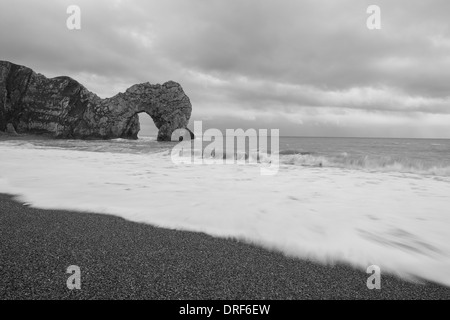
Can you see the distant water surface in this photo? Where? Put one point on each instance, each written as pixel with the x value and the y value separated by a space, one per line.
pixel 421 156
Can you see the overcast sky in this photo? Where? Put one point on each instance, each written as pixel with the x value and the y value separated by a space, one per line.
pixel 309 68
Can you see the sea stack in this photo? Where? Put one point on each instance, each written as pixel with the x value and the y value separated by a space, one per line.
pixel 62 107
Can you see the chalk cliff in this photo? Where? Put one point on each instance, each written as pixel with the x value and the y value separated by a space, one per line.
pixel 32 103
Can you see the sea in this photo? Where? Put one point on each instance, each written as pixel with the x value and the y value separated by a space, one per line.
pixel 357 201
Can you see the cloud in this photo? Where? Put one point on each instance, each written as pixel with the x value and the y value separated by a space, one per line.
pixel 255 60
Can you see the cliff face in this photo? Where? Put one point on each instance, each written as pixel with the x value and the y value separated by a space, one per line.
pixel 32 103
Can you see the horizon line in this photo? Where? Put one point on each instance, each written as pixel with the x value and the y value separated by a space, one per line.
pixel 342 137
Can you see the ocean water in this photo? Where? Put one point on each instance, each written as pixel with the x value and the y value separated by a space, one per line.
pixel 333 200
pixel 421 156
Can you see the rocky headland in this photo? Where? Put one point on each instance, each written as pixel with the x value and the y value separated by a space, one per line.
pixel 63 108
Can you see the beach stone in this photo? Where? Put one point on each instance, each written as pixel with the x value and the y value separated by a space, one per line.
pixel 64 108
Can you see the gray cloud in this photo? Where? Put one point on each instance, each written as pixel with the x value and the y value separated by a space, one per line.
pixel 304 66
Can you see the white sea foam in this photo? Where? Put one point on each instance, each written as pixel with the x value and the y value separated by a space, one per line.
pixel 398 221
pixel 368 163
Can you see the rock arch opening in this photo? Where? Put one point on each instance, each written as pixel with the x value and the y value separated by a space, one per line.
pixel 147 127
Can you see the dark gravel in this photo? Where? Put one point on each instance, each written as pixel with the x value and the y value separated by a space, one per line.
pixel 125 260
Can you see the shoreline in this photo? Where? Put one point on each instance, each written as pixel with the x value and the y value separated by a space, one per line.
pixel 120 259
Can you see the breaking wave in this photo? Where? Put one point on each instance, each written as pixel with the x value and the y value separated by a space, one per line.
pixel 342 160
pixel 366 162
